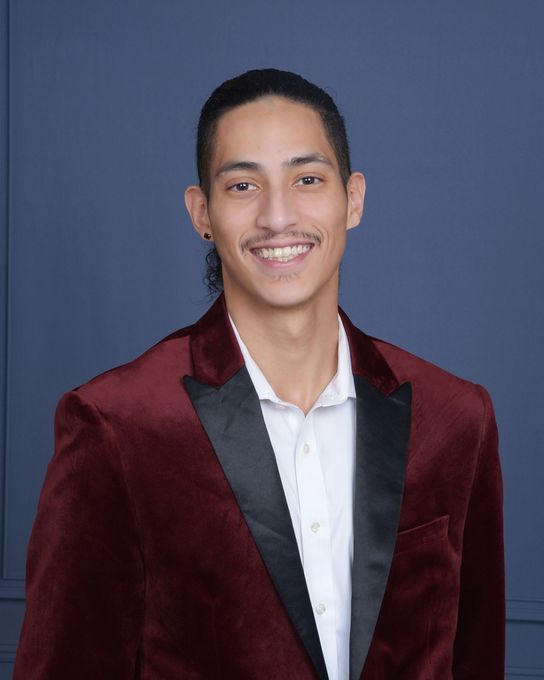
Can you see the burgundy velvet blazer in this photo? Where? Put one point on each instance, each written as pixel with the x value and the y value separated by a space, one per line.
pixel 163 548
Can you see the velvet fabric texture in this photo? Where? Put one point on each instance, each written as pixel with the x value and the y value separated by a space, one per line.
pixel 143 564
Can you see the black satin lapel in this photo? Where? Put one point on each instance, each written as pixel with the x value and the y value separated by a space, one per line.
pixel 383 428
pixel 232 418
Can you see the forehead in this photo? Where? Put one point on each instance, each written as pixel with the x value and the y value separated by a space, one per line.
pixel 270 128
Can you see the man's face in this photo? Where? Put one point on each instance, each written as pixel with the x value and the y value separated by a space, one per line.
pixel 277 209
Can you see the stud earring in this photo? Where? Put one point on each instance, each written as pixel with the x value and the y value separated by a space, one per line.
pixel 207 236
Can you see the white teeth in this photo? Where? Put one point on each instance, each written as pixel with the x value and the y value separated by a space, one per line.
pixel 282 254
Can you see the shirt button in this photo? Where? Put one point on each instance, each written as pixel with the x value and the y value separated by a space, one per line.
pixel 320 609
pixel 306 448
pixel 315 527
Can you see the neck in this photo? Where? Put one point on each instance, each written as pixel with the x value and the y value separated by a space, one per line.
pixel 296 347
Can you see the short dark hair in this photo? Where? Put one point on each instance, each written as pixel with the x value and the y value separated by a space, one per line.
pixel 246 88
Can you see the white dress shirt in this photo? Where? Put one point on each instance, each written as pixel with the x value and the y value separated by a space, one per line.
pixel 315 455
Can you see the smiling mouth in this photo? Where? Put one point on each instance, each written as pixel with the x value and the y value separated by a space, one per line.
pixel 285 254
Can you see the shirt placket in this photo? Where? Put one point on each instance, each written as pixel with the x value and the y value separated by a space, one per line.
pixel 316 539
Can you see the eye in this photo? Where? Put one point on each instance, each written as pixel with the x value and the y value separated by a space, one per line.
pixel 308 181
pixel 242 186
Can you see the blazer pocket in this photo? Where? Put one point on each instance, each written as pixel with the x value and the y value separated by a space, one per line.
pixel 410 637
pixel 409 539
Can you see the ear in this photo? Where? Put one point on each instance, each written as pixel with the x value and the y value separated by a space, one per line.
pixel 197 207
pixel 356 197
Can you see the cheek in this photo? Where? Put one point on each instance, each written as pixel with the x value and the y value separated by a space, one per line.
pixel 224 232
pixel 334 231
pixel 228 241
pixel 329 217
pixel 230 223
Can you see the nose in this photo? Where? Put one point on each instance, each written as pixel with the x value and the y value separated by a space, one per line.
pixel 277 209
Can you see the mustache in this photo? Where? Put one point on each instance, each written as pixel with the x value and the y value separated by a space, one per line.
pixel 262 238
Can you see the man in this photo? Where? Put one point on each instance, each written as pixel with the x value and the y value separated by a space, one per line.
pixel 270 493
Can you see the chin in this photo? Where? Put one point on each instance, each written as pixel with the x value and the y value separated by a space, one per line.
pixel 286 299
pixel 276 294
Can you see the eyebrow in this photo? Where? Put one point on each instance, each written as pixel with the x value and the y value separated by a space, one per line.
pixel 237 165
pixel 295 161
pixel 309 158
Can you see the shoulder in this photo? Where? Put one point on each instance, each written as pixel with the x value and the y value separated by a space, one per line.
pixel 409 366
pixel 435 390
pixel 149 381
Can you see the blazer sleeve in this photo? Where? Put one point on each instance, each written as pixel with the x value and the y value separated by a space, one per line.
pixel 85 585
pixel 479 642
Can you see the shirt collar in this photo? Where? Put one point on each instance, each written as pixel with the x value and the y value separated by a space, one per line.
pixel 339 389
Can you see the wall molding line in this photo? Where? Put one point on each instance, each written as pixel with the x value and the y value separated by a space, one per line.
pixel 517 611
pixel 524 672
pixel 526 610
pixel 5 208
pixel 12 589
pixel 7 653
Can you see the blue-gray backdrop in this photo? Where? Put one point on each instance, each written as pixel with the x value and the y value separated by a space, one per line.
pixel 445 108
